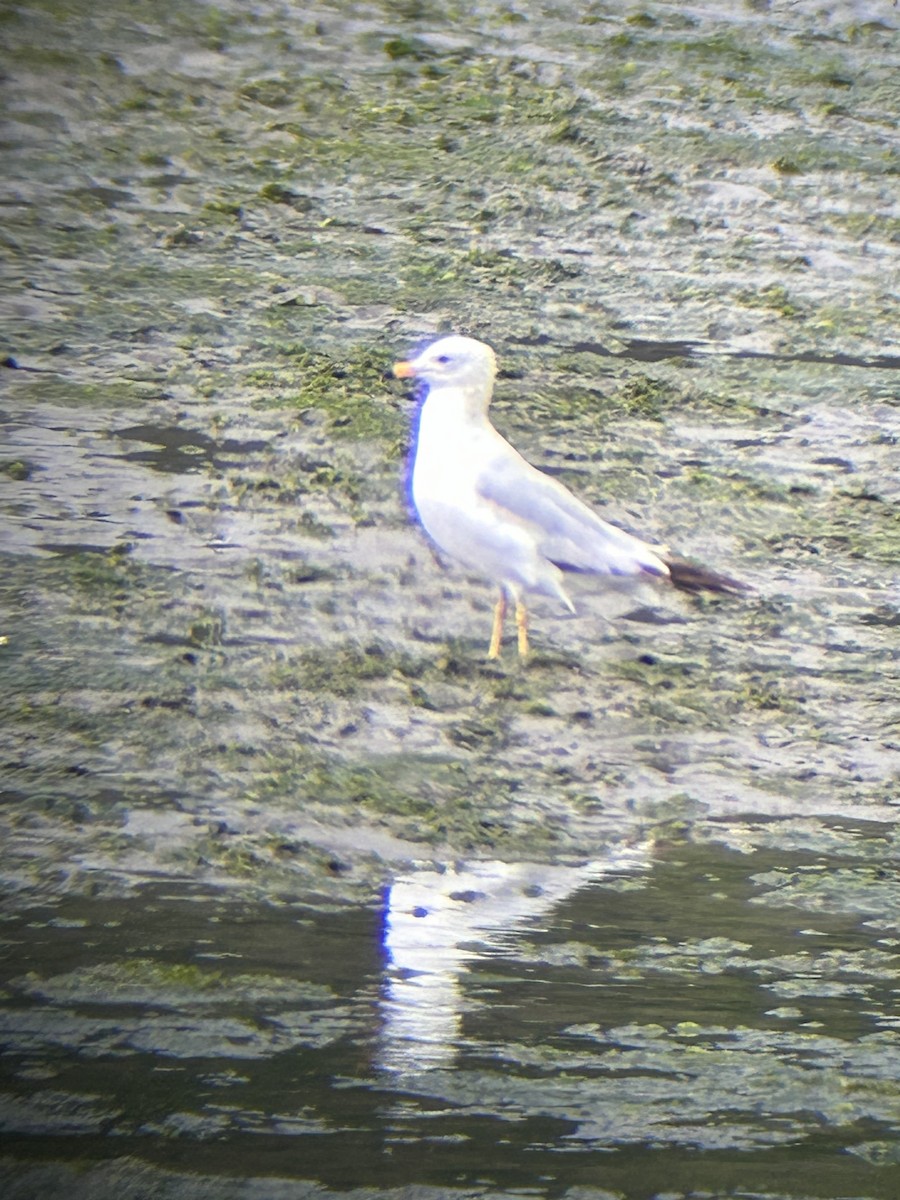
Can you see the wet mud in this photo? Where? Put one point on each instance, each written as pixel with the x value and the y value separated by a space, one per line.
pixel 284 859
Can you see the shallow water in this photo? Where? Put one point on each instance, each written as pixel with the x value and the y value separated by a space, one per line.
pixel 669 1018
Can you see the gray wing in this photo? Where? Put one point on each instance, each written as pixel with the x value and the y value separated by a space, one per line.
pixel 566 531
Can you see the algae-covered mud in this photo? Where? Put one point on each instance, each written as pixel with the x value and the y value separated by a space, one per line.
pixel 300 894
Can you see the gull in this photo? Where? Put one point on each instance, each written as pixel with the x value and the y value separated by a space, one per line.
pixel 480 501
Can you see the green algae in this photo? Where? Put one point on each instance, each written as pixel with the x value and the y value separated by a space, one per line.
pixel 343 671
pixel 176 985
pixel 350 390
pixel 774 296
pixel 17 469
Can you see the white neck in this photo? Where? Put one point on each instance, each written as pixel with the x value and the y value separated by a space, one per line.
pixel 455 405
pixel 452 422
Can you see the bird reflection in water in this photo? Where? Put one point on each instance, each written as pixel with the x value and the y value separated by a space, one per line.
pixel 442 921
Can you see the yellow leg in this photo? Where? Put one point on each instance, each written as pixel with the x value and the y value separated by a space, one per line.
pixel 497 631
pixel 522 627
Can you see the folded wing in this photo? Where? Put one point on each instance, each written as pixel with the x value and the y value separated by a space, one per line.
pixel 566 531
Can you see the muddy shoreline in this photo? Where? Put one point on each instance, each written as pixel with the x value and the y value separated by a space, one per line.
pixel 236 680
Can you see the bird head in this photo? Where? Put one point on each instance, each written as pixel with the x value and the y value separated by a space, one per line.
pixel 455 361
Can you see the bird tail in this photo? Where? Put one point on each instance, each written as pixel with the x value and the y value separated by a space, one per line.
pixel 693 578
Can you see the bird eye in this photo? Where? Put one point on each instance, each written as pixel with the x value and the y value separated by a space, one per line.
pixel 443 358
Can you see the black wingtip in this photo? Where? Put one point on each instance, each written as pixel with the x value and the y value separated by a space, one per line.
pixel 690 577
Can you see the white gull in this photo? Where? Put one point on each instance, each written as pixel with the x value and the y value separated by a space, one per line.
pixel 484 504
